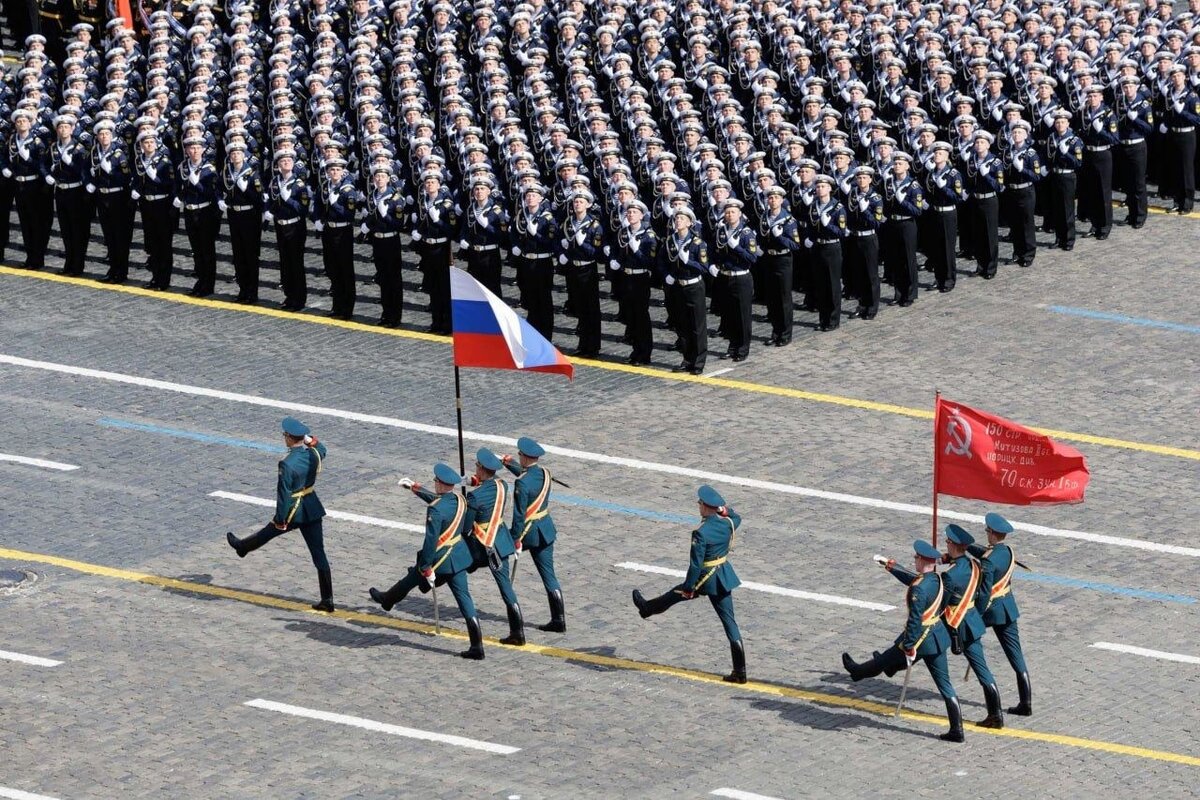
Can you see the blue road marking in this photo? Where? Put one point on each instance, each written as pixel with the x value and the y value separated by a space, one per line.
pixel 192 435
pixel 1121 318
pixel 657 516
pixel 1109 588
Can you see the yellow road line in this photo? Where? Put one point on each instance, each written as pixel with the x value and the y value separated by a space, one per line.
pixel 724 383
pixel 613 662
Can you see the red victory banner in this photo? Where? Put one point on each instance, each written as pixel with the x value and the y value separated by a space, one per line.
pixel 980 456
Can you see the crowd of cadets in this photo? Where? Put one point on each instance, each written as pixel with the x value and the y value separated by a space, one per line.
pixel 725 153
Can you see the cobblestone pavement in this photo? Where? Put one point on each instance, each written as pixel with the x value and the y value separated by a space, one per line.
pixel 149 698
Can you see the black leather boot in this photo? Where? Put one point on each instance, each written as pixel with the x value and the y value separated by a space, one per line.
pixel 995 717
pixel 954 714
pixel 888 663
pixel 516 627
pixel 475 653
pixel 325 578
pixel 389 598
pixel 655 605
pixel 243 546
pixel 1024 707
pixel 738 651
pixel 558 614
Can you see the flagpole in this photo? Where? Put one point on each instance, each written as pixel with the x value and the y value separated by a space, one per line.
pixel 937 401
pixel 462 460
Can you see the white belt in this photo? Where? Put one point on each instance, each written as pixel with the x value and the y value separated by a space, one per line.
pixel 945 208
pixel 1132 141
pixel 1019 185
pixel 1058 171
pixel 379 235
pixel 829 241
pixel 1098 148
pixel 862 233
pixel 733 273
pixel 75 185
pixel 984 196
pixel 534 256
pixel 901 219
pixel 483 248
pixel 575 263
pixel 111 189
pixel 241 208
pixel 27 178
pixel 688 281
pixel 288 221
pixel 152 197
pixel 1182 130
pixel 197 206
pixel 629 271
pixel 336 224
pixel 435 241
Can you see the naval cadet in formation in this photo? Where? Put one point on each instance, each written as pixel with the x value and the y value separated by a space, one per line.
pixel 297 505
pixel 444 558
pixel 709 573
pixel 533 528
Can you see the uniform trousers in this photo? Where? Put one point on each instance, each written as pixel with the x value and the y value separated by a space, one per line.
pixel 543 560
pixel 35 213
pixel 337 254
pixel 1095 190
pixel 777 272
pixel 435 265
pixel 1010 643
pixel 158 236
pixel 537 282
pixel 941 228
pixel 1060 207
pixel 975 657
pixel 484 266
pixel 861 260
pixel 313 534
pixel 737 296
pixel 1018 208
pixel 6 204
pixel 458 588
pixel 583 285
pixel 290 237
pixel 1179 156
pixel 636 302
pixel 691 318
pixel 74 208
pixel 985 214
pixel 245 237
pixel 202 225
pixel 1129 169
pixel 827 283
pixel 722 603
pixel 386 255
pixel 893 661
pixel 900 255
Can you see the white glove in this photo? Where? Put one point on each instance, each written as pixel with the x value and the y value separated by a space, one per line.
pixel 579 237
pixel 712 270
pixel 381 207
pixel 6 172
pixel 808 243
pixel 634 244
pixel 670 280
pixel 564 244
pixel 268 216
pixel 308 439
pixel 135 195
pixel 1097 124
pixel 406 483
pixel 562 259
pixel 533 228
pixel 1019 163
pixel 363 229
pixel 242 183
pixel 318 226
pixel 909 660
pixel 685 254
pixel 735 242
pixel 194 179
pixel 606 251
pixel 1161 129
pixel 416 236
pixel 1178 105
pixel 941 182
pixel 863 203
pixel 67 159
pixel 151 172
pixel 1048 118
pixel 91 187
pixel 516 251
pixel 435 215
pixel 900 195
pixel 878 559
pixel 221 204
pixel 1132 114
pixel 285 195
pixel 332 198
pixel 462 244
pixel 614 264
pixel 1064 147
pixel 50 180
pixel 777 230
pixel 106 165
pixel 176 202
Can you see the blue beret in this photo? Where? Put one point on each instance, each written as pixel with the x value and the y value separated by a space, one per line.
pixel 529 447
pixel 446 475
pixel 488 460
pixel 959 535
pixel 710 496
pixel 294 427
pixel 925 550
pixel 997 523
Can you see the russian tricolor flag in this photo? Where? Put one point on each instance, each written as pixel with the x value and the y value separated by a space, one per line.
pixel 489 334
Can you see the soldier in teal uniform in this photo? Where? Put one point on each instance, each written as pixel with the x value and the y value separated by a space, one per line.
pixel 963 582
pixel 489 538
pixel 532 527
pixel 297 505
pixel 445 557
pixel 709 573
pixel 925 637
pixel 1000 606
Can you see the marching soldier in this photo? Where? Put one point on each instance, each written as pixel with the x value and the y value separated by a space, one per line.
pixel 735 253
pixel 483 232
pixel 1135 121
pixel 864 211
pixel 905 201
pixel 1023 169
pixel 944 190
pixel 924 638
pixel 827 229
pixel 242 190
pixel 335 212
pixel 1000 606
pixel 434 221
pixel 1064 155
pixel 533 234
pixel 534 529
pixel 153 191
pixel 985 181
pixel 579 250
pixel 444 558
pixel 288 208
pixel 297 505
pixel 709 573
pixel 685 263
pixel 385 215
pixel 635 256
pixel 490 540
pixel 109 176
pixel 779 238
pixel 962 582
pixel 1099 133
pixel 197 199
pixel 68 174
pixel 26 162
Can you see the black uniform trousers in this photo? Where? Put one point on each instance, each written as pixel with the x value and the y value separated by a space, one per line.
pixel 245 237
pixel 1060 206
pixel 1095 190
pixel 74 208
pixel 583 285
pixel 435 264
pixel 202 225
pixel 385 252
pixel 985 236
pixel 484 266
pixel 777 292
pixel 827 283
pixel 861 254
pixel 158 236
pixel 290 236
pixel 337 255
pixel 1179 158
pixel 6 203
pixel 900 255
pixel 737 296
pixel 1018 208
pixel 1130 176
pixel 966 229
pixel 538 286
pixel 691 317
pixel 635 299
pixel 35 213
pixel 941 230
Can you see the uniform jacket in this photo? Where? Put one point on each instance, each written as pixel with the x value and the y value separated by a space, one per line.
pixel 453 555
pixel 997 562
pixel 957 580
pixel 586 247
pixel 480 505
pixel 532 525
pixel 289 199
pixel 298 472
pixel 924 606
pixel 709 571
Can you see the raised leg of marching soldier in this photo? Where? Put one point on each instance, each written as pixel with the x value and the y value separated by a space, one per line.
pixel 290 238
pixel 337 251
pixel 158 236
pixel 1019 202
pixel 74 225
pixel 1131 176
pixel 385 252
pixel 245 235
pixel 202 224
pixel 539 288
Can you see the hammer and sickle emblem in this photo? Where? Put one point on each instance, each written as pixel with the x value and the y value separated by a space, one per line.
pixel 958 435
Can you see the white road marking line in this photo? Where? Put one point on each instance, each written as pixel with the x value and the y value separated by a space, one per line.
pixel 583 455
pixel 715 373
pixel 17 794
pixel 738 794
pixel 36 661
pixel 383 727
pixel 767 588
pixel 1142 651
pixel 38 462
pixel 342 515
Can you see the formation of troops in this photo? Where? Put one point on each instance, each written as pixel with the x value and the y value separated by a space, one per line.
pixel 466 530
pixel 724 153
